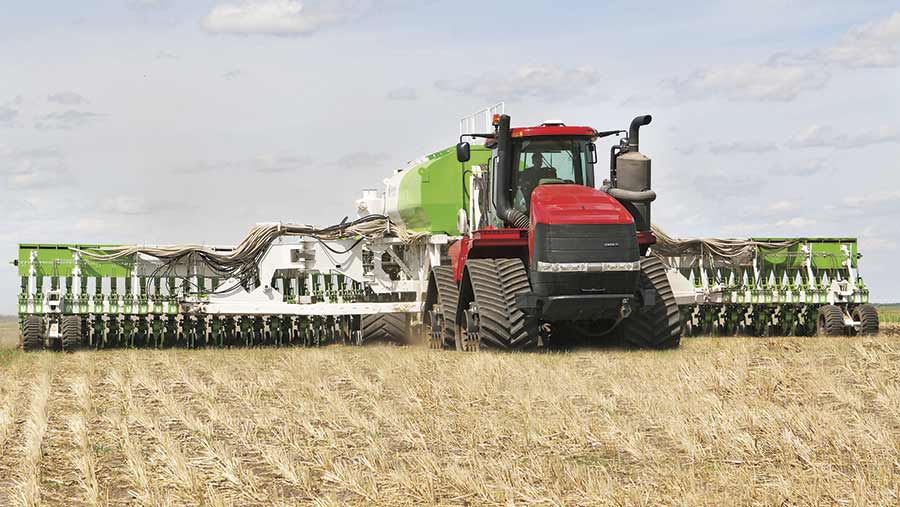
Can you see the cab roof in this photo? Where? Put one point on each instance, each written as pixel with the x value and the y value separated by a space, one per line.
pixel 553 130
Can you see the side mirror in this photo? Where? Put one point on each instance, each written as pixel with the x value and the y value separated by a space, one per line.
pixel 463 152
pixel 593 149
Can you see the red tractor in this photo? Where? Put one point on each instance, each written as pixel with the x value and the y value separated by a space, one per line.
pixel 552 259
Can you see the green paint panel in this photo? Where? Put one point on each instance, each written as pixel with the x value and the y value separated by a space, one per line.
pixel 431 193
pixel 58 260
pixel 826 253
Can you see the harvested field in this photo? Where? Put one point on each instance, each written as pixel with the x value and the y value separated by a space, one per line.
pixel 737 421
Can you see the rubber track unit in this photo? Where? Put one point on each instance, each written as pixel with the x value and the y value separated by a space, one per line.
pixel 447 298
pixel 495 285
pixel 71 332
pixel 385 327
pixel 33 333
pixel 867 316
pixel 657 326
pixel 830 321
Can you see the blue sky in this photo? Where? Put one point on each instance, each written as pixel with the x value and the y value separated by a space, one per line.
pixel 167 121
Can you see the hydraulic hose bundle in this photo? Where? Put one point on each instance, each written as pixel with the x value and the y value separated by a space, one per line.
pixel 731 252
pixel 241 262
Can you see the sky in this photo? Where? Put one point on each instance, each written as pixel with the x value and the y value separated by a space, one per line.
pixel 175 121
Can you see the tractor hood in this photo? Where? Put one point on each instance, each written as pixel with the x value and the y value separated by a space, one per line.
pixel 576 204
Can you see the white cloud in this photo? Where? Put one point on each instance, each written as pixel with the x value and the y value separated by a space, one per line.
pixel 787 74
pixel 37 176
pixel 770 229
pixel 93 225
pixel 233 74
pixel 870 45
pixel 148 4
pixel 857 54
pixel 402 93
pixel 782 206
pixel 165 55
pixel 270 17
pixel 743 147
pixel 34 153
pixel 807 168
pixel 8 116
pixel 795 223
pixel 818 136
pixel 886 30
pixel 125 205
pixel 66 120
pixel 740 82
pixel 872 200
pixel 68 98
pixel 264 163
pixel 543 82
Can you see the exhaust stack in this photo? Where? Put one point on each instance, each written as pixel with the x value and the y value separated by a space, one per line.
pixel 633 176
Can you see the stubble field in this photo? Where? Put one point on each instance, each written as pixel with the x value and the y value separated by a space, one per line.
pixel 731 421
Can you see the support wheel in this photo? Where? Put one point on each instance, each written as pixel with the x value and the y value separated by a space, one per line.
pixel 658 325
pixel 33 333
pixel 71 332
pixel 468 338
pixel 434 335
pixel 867 316
pixel 385 327
pixel 490 288
pixel 830 321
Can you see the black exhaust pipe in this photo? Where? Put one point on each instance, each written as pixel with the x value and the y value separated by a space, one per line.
pixel 503 174
pixel 634 131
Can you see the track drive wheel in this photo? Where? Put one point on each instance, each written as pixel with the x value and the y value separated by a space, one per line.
pixel 440 308
pixel 385 327
pixel 867 316
pixel 33 333
pixel 489 316
pixel 71 332
pixel 830 321
pixel 656 326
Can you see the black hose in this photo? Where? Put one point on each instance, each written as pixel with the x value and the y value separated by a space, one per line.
pixel 503 174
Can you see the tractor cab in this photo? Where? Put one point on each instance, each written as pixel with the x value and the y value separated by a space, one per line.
pixel 526 158
pixel 549 155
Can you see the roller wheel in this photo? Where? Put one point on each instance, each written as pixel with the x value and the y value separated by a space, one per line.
pixel 385 327
pixel 657 326
pixel 33 333
pixel 71 332
pixel 490 317
pixel 867 316
pixel 830 321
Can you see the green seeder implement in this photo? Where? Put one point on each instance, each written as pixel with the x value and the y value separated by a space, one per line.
pixel 769 286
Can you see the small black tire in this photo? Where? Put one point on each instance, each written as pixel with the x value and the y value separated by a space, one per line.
pixel 70 328
pixel 33 333
pixel 867 316
pixel 830 321
pixel 385 327
pixel 657 326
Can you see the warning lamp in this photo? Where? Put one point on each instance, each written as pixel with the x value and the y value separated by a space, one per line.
pixel 495 120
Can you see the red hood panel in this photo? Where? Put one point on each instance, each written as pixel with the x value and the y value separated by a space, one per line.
pixel 576 204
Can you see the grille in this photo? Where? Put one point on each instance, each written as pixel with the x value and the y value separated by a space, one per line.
pixel 585 243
